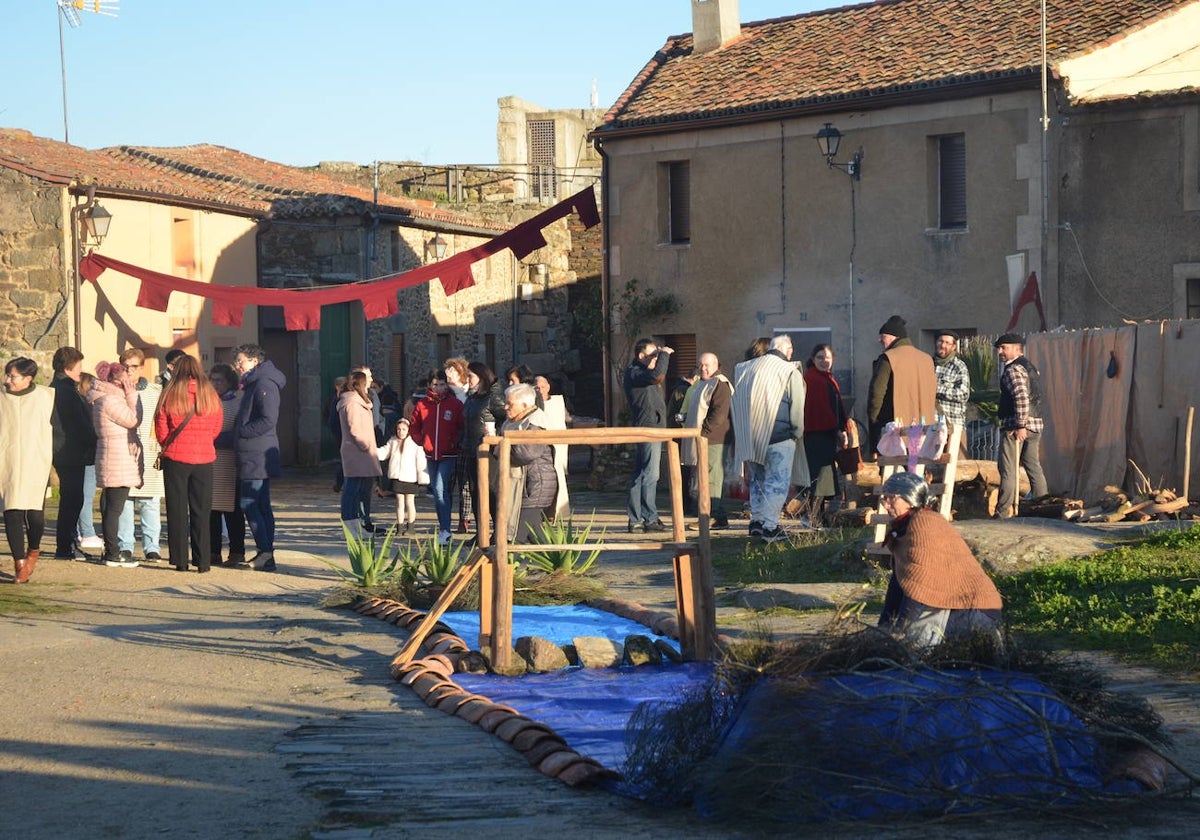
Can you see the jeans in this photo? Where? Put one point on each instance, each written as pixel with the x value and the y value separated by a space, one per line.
pixel 1013 456
pixel 356 498
pixel 254 498
pixel 441 479
pixel 770 482
pixel 148 510
pixel 87 527
pixel 643 484
pixel 70 489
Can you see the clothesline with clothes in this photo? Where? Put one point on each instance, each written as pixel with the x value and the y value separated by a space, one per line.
pixel 302 307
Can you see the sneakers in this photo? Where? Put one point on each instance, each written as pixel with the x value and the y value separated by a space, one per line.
pixel 443 537
pixel 153 557
pixel 94 541
pixel 756 529
pixel 236 561
pixel 657 525
pixel 123 560
pixel 720 524
pixel 268 558
pixel 771 535
pixel 634 526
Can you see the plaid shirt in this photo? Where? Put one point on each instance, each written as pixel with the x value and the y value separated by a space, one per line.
pixel 953 389
pixel 1014 381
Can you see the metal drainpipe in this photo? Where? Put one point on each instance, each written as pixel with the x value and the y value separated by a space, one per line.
pixel 76 247
pixel 605 293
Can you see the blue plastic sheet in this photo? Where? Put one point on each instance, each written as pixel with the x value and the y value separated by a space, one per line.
pixel 559 624
pixel 986 734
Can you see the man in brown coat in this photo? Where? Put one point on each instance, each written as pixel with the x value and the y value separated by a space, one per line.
pixel 903 383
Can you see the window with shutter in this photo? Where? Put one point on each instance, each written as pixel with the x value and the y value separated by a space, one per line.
pixel 952 181
pixel 542 172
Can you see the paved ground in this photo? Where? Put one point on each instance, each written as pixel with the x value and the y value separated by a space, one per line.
pixel 234 705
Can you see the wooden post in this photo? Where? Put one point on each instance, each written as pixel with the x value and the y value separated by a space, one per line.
pixel 501 624
pixel 685 603
pixel 676 479
pixel 704 608
pixel 1187 450
pixel 483 505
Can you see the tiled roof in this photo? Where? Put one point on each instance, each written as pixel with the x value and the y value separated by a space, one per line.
pixel 854 55
pixel 213 175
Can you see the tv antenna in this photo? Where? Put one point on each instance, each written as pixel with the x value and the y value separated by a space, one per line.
pixel 69 10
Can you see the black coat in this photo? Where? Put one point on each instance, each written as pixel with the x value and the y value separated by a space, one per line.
pixel 255 438
pixel 74 434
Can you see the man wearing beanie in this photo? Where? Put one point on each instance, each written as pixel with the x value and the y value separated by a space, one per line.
pixel 903 383
pixel 953 385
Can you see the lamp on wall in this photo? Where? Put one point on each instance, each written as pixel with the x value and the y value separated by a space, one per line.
pixel 436 247
pixel 829 138
pixel 89 226
pixel 95 224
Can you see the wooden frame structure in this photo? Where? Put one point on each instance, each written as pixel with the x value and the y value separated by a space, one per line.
pixel 943 490
pixel 692 562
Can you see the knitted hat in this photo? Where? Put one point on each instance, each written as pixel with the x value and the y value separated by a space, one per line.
pixel 105 371
pixel 894 326
pixel 1011 338
pixel 908 486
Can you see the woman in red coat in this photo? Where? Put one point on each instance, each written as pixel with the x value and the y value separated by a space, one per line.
pixel 824 425
pixel 186 422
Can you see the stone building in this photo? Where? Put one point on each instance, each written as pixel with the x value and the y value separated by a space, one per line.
pixel 951 183
pixel 215 215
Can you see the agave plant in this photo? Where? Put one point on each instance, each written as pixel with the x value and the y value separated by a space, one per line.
pixel 435 564
pixel 564 560
pixel 372 560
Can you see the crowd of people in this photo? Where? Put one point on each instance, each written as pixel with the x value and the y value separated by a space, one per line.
pixel 204 442
pixel 785 428
pixel 433 444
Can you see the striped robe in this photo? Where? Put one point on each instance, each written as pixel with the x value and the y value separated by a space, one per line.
pixel 759 388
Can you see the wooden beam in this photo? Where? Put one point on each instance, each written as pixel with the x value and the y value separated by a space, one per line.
pixel 458 583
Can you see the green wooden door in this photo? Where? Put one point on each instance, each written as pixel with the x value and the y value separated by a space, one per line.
pixel 335 362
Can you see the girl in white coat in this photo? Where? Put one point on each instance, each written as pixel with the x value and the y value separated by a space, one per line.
pixel 406 471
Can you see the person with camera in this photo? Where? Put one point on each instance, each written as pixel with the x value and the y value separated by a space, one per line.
pixel 647 407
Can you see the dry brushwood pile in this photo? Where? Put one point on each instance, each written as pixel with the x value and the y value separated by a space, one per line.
pixel 854 726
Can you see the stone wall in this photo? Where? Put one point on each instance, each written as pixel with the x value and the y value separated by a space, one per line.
pixel 34 316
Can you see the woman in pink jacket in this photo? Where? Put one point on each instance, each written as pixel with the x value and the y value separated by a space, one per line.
pixel 360 458
pixel 118 451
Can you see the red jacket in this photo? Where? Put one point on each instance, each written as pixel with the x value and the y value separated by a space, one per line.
pixel 437 424
pixel 193 445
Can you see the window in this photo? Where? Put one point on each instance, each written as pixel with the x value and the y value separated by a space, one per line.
pixel 685 358
pixel 183 247
pixel 544 183
pixel 675 202
pixel 444 348
pixel 396 364
pixel 951 181
pixel 1193 297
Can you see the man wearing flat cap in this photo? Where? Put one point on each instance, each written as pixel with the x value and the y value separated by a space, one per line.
pixel 1021 424
pixel 903 383
pixel 953 385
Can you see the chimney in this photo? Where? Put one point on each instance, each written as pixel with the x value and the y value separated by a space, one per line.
pixel 714 24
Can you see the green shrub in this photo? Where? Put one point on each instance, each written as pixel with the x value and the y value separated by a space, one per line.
pixel 372 560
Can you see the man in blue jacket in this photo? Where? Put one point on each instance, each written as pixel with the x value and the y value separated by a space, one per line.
pixel 647 407
pixel 256 444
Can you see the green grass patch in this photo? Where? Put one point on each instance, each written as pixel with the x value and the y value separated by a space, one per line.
pixel 1140 601
pixel 21 601
pixel 830 556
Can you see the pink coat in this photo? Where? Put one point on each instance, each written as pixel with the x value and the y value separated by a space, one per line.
pixel 360 458
pixel 115 417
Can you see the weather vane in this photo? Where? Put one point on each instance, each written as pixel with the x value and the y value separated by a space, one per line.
pixel 69 11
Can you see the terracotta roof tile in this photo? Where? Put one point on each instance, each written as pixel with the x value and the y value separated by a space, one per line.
pixel 212 174
pixel 856 53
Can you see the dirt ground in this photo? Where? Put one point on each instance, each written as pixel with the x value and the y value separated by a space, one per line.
pixel 235 705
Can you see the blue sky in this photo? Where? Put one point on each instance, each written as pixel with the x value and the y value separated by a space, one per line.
pixel 303 81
